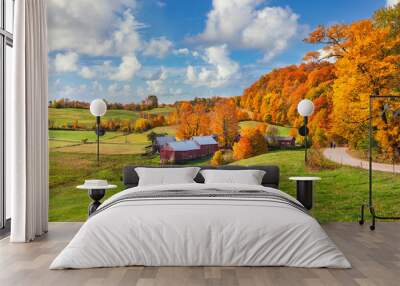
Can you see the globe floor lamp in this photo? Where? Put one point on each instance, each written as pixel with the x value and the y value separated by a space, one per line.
pixel 305 108
pixel 98 108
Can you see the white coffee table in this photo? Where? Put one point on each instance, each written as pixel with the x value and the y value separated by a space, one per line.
pixel 96 193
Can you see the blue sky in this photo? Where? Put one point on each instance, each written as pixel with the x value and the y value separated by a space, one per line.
pixel 123 50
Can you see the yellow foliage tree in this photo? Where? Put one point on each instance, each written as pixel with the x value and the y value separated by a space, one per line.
pixel 224 122
pixel 368 56
pixel 142 125
pixel 193 120
pixel 217 159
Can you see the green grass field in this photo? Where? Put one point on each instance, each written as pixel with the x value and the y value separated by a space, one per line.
pixel 338 195
pixel 162 110
pixel 111 143
pixel 65 116
pixel 340 192
pixel 69 135
pixel 282 131
pixel 67 170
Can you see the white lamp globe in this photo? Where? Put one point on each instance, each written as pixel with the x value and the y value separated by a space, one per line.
pixel 305 107
pixel 98 107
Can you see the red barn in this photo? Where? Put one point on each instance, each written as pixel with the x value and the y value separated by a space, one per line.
pixel 179 151
pixel 208 145
pixel 281 141
pixel 159 141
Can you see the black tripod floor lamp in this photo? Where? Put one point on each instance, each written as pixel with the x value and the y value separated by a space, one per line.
pixel 98 108
pixel 370 204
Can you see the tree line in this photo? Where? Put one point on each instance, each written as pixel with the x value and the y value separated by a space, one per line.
pixel 358 60
pixel 150 102
pixel 145 122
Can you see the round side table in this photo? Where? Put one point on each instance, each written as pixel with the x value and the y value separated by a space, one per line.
pixel 304 190
pixel 96 192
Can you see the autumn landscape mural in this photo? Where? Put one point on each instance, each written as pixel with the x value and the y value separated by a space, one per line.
pixel 218 83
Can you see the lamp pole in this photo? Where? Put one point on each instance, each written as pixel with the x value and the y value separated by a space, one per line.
pixel 98 108
pixel 98 139
pixel 305 138
pixel 305 108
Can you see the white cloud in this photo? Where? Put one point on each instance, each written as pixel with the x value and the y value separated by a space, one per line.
pixel 182 51
pixel 87 73
pixel 326 55
pixel 127 69
pixel 155 83
pixel 191 74
pixel 72 91
pixel 116 89
pixel 160 74
pixel 112 88
pixel 268 29
pixel 126 37
pixel 95 28
pixel 219 71
pixel 219 57
pixel 97 87
pixel 155 87
pixel 175 91
pixel 158 47
pixel 67 62
pixel 390 3
pixel 85 26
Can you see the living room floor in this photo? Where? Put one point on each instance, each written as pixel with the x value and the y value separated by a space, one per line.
pixel 375 257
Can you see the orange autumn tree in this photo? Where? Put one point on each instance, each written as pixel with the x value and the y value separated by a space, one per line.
pixel 388 132
pixel 192 119
pixel 224 122
pixel 252 143
pixel 274 97
pixel 242 149
pixel 257 139
pixel 368 57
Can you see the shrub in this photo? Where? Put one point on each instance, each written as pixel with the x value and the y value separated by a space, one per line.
pixel 142 125
pixel 252 142
pixel 317 161
pixel 217 159
pixel 227 156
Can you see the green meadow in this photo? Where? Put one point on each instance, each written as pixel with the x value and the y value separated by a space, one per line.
pixel 79 135
pixel 66 116
pixel 337 198
pixel 112 142
pixel 72 160
pixel 82 141
pixel 282 131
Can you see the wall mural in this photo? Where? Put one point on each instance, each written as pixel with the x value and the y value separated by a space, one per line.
pixel 218 82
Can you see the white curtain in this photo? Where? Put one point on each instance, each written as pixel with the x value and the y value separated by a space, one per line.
pixel 27 123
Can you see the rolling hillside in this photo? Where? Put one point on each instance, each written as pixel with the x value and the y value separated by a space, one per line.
pixel 65 116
